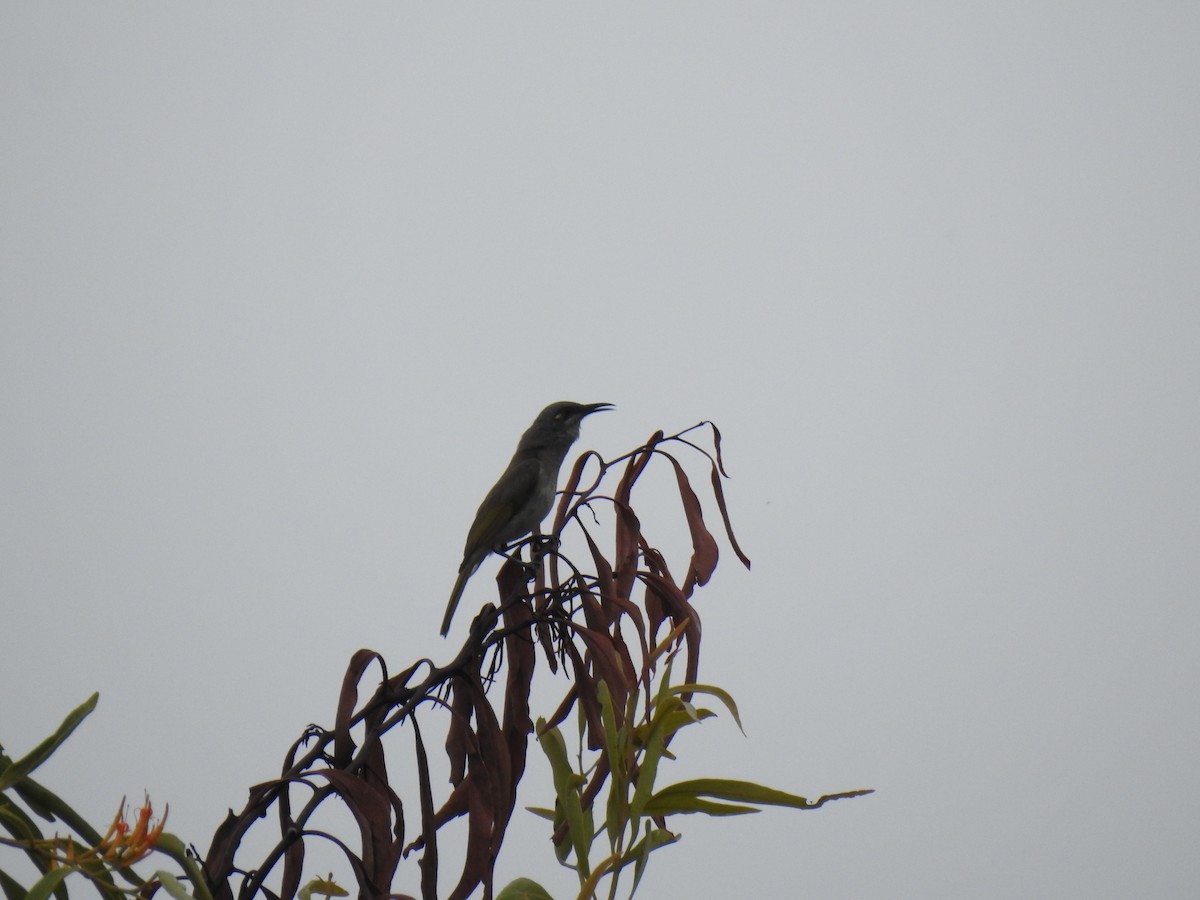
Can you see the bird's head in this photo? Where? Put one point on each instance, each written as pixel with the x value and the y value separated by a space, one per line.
pixel 559 422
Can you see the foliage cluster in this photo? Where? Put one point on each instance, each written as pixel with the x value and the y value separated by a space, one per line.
pixel 616 627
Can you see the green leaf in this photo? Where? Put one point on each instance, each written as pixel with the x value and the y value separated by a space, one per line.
pixel 640 852
pixel 39 754
pixel 566 788
pixel 46 885
pixel 11 887
pixel 172 885
pixel 99 873
pixel 617 810
pixel 664 686
pixel 50 806
pixel 679 804
pixel 16 822
pixel 523 889
pixel 682 716
pixel 170 845
pixel 670 714
pixel 713 691
pixel 652 752
pixel 688 792
pixel 324 887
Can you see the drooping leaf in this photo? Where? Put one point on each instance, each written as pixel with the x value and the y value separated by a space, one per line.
pixel 712 690
pixel 429 866
pixel 570 496
pixel 517 722
pixel 584 691
pixel 717 445
pixel 615 605
pixel 719 493
pixel 628 537
pixel 459 739
pixel 738 792
pixel 372 812
pixel 608 667
pixel 486 789
pixel 343 744
pixel 704 545
pixel 677 607
pixel 293 869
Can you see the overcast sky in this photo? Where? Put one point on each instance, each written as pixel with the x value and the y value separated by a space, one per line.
pixel 281 285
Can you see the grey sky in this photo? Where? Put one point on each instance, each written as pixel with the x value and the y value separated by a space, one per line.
pixel 281 284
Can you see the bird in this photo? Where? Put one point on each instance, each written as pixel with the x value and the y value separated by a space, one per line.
pixel 524 494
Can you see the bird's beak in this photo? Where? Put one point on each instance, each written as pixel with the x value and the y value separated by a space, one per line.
pixel 589 408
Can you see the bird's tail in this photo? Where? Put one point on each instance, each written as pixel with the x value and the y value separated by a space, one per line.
pixel 464 572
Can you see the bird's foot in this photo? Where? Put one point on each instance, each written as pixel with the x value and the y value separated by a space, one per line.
pixel 542 544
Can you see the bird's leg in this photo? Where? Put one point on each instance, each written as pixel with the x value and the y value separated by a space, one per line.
pixel 539 545
pixel 513 554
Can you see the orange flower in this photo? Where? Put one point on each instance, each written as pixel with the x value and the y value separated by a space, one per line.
pixel 125 844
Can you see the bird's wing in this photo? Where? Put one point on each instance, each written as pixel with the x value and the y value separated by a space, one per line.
pixel 494 524
pixel 510 494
